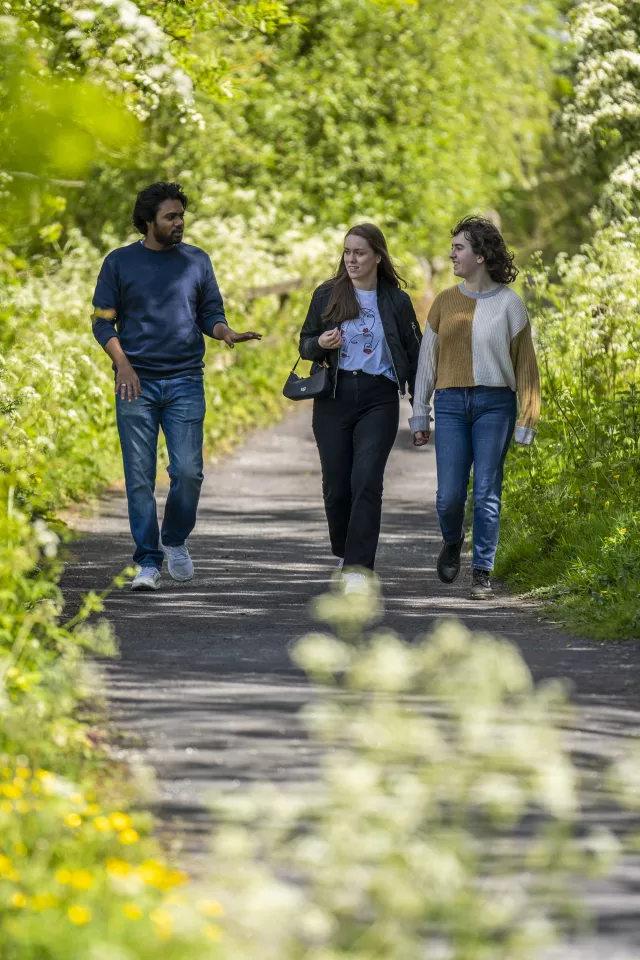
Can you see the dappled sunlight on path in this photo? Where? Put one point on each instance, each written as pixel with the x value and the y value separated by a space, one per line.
pixel 206 694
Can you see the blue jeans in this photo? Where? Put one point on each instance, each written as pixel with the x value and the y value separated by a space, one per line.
pixel 474 425
pixel 178 407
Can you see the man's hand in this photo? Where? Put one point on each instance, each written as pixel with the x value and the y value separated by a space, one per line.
pixel 223 332
pixel 330 339
pixel 128 386
pixel 421 437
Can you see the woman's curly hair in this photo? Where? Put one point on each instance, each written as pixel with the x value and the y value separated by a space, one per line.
pixel 487 241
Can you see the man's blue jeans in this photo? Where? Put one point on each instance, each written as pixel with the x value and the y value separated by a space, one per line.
pixel 474 425
pixel 178 407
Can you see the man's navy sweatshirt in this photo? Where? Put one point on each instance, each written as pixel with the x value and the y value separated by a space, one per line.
pixel 164 301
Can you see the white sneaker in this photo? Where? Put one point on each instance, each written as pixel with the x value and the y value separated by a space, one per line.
pixel 340 563
pixel 354 583
pixel 179 562
pixel 147 578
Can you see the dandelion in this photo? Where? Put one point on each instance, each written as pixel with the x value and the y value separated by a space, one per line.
pixel 76 798
pixel 118 868
pixel 120 821
pixel 44 901
pixel 210 908
pixel 616 476
pixel 132 910
pixel 162 922
pixel 102 824
pixel 92 810
pixel 12 791
pixel 128 837
pixel 152 873
pixel 82 880
pixel 79 915
pixel 622 530
pixel 23 772
pixel 73 820
pixel 63 876
pixel 17 900
pixel 20 848
pixel 213 932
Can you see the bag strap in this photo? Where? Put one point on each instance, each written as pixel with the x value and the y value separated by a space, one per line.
pixel 293 369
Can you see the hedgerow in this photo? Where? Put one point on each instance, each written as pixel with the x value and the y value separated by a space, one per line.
pixel 572 502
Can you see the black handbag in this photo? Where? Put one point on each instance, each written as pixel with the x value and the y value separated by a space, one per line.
pixel 314 387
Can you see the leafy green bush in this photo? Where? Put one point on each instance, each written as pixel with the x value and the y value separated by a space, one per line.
pixel 572 502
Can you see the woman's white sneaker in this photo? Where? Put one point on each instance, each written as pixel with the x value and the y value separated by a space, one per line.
pixel 147 578
pixel 354 583
pixel 179 562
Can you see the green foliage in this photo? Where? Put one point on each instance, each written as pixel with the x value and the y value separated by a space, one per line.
pixel 572 503
pixel 402 112
pixel 601 120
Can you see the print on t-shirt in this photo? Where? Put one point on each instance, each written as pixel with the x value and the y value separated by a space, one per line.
pixel 360 332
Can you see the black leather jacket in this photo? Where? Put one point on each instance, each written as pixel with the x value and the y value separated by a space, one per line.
pixel 399 322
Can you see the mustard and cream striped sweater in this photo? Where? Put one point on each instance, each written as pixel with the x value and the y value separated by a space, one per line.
pixel 478 339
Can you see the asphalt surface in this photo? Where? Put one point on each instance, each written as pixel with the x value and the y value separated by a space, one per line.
pixel 204 690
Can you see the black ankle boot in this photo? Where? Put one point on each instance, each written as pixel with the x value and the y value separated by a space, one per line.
pixel 449 560
pixel 481 585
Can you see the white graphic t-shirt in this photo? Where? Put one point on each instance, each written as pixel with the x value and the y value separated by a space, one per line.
pixel 364 346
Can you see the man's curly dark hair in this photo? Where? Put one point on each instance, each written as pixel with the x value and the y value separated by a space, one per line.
pixel 149 199
pixel 487 241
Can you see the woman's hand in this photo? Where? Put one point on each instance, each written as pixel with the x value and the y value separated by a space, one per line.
pixel 421 437
pixel 330 339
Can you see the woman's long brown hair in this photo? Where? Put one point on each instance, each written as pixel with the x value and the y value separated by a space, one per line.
pixel 343 302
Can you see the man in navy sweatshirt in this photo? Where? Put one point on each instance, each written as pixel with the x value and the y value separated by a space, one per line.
pixel 154 300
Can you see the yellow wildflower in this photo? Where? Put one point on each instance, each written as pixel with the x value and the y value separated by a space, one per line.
pixel 128 837
pixel 22 806
pixel 120 821
pixel 622 530
pixel 76 798
pixel 17 900
pixel 5 864
pixel 44 776
pixel 102 824
pixel 118 868
pixel 616 476
pixel 6 772
pixel 162 922
pixel 213 932
pixel 82 880
pixel 20 848
pixel 73 820
pixel 63 876
pixel 92 810
pixel 79 915
pixel 132 910
pixel 210 908
pixel 12 791
pixel 5 806
pixel 44 901
pixel 152 873
pixel 23 772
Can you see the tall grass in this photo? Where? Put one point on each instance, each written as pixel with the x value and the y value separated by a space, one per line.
pixel 572 502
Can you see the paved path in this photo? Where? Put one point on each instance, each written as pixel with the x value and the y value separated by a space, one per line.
pixel 204 684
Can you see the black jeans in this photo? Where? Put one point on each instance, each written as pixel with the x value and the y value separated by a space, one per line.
pixel 355 432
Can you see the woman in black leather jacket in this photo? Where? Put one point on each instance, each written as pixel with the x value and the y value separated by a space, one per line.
pixel 363 325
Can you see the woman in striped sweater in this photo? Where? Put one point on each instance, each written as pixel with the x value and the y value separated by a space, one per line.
pixel 477 353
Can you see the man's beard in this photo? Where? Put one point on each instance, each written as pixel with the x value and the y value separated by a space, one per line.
pixel 167 240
